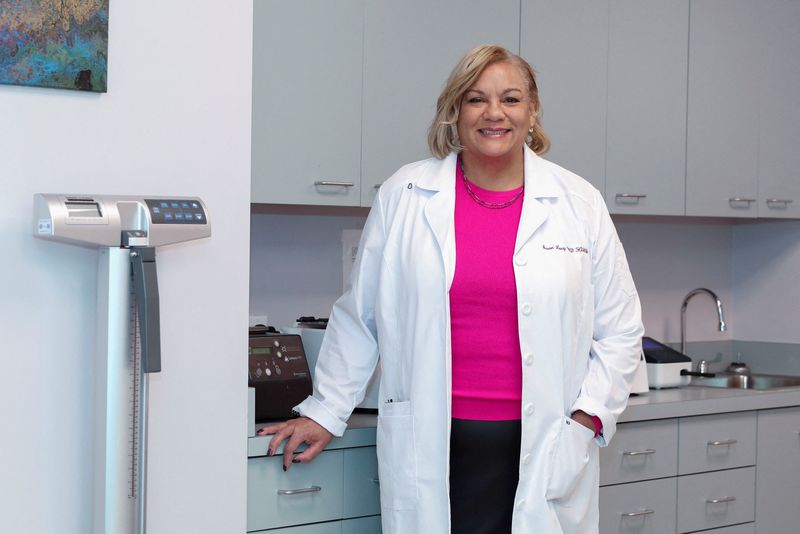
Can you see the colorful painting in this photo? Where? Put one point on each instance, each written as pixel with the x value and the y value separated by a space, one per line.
pixel 54 43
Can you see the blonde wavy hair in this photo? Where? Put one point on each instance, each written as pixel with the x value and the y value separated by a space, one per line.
pixel 443 133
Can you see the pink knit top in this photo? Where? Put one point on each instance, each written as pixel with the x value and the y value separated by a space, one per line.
pixel 487 369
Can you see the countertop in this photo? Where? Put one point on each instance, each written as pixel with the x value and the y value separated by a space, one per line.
pixel 698 400
pixel 655 404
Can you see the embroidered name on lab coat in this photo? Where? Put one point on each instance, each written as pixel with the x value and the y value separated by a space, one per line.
pixel 566 249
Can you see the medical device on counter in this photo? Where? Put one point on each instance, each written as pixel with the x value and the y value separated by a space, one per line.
pixel 666 367
pixel 278 370
pixel 126 230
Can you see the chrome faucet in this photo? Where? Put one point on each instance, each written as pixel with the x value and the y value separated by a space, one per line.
pixel 693 292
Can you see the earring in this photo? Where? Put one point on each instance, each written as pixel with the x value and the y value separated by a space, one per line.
pixel 530 135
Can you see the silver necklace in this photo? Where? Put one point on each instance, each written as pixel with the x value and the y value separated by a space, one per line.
pixel 478 200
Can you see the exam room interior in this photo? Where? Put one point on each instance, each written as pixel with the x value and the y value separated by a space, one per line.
pixel 190 132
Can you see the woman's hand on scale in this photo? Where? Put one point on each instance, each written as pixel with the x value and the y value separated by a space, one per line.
pixel 297 432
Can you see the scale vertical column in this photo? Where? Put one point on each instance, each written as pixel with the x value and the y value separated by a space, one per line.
pixel 114 435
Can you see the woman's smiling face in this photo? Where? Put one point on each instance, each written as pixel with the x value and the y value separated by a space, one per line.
pixel 496 113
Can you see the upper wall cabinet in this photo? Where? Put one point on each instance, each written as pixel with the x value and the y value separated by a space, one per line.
pixel 722 144
pixel 410 47
pixel 779 117
pixel 307 78
pixel 566 42
pixel 646 136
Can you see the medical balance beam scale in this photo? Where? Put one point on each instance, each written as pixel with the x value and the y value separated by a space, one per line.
pixel 126 230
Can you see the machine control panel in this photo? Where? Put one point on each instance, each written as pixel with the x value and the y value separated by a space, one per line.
pixel 276 358
pixel 175 211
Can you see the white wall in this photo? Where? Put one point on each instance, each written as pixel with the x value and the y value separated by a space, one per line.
pixel 766 275
pixel 669 259
pixel 296 270
pixel 176 121
pixel 296 264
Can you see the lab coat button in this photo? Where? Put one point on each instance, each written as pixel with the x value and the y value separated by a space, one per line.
pixel 520 504
pixel 529 409
pixel 529 359
pixel 526 459
pixel 520 260
pixel 526 309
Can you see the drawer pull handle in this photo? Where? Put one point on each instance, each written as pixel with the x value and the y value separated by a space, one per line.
pixel 638 453
pixel 720 500
pixel 632 198
pixel 639 513
pixel 375 481
pixel 737 200
pixel 724 442
pixel 312 489
pixel 784 202
pixel 329 182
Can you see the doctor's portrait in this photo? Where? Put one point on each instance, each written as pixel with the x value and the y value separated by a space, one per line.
pixel 492 290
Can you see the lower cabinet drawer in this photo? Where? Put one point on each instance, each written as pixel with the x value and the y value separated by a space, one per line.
pixel 362 525
pixel 716 499
pixel 640 451
pixel 719 441
pixel 639 507
pixel 307 493
pixel 361 489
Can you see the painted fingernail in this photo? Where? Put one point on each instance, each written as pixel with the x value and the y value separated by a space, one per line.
pixel 270 452
pixel 285 468
pixel 296 461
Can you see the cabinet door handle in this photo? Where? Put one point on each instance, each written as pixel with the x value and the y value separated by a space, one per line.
pixel 720 500
pixel 638 453
pixel 632 198
pixel 639 513
pixel 375 480
pixel 783 203
pixel 338 184
pixel 378 186
pixel 735 200
pixel 300 491
pixel 723 442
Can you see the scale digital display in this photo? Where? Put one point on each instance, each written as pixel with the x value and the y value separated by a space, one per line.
pixel 260 351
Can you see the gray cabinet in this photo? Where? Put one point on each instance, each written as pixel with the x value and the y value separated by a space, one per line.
pixel 646 139
pixel 410 48
pixel 722 129
pixel 715 442
pixel 647 507
pixel 337 493
pixel 680 475
pixel 779 109
pixel 778 471
pixel 307 77
pixel 566 42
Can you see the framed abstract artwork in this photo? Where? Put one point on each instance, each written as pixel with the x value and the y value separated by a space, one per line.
pixel 54 43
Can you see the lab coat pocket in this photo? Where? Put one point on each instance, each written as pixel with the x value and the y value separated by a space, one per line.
pixel 397 464
pixel 569 459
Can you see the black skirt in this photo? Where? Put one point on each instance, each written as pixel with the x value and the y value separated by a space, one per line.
pixel 484 471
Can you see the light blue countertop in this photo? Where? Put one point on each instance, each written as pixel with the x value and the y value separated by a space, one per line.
pixel 655 404
pixel 360 433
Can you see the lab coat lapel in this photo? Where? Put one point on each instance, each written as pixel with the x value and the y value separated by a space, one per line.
pixel 440 210
pixel 540 185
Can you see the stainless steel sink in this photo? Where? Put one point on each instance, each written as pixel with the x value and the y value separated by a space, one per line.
pixel 752 381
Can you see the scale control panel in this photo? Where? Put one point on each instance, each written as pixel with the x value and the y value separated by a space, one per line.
pixel 175 211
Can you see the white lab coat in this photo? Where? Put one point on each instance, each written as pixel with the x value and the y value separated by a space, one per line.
pixel 580 336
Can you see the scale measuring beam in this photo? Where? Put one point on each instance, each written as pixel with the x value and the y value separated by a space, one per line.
pixel 126 230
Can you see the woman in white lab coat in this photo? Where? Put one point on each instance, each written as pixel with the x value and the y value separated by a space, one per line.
pixel 495 289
